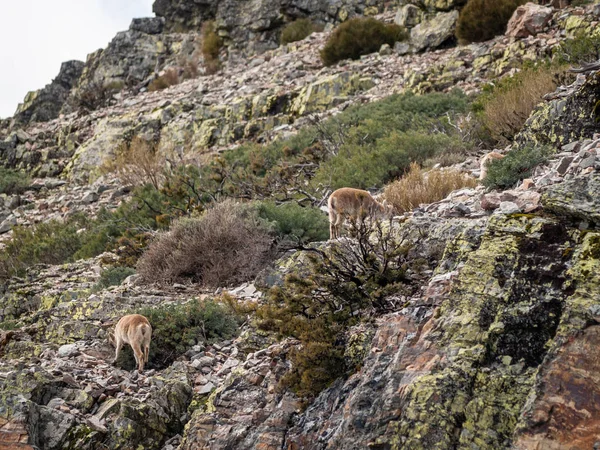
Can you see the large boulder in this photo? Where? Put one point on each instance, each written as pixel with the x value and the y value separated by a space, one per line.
pixel 45 104
pixel 434 32
pixel 528 20
pixel 576 199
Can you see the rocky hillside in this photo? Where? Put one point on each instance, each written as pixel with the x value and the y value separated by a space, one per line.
pixel 485 339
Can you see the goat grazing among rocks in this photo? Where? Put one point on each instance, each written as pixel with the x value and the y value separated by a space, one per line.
pixel 355 204
pixel 135 330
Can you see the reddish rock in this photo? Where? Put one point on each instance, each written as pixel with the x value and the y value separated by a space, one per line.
pixel 566 413
pixel 528 20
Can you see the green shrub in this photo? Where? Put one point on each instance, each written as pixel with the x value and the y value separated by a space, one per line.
pixel 13 181
pixel 517 165
pixel 51 242
pixel 296 31
pixel 349 279
pixel 359 36
pixel 296 223
pixel 113 277
pixel 177 328
pixel 505 107
pixel 481 20
pixel 583 48
pixel 228 244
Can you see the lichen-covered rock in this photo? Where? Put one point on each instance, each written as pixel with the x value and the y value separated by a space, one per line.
pixel 433 32
pixel 577 199
pixel 45 104
pixel 571 116
pixel 255 26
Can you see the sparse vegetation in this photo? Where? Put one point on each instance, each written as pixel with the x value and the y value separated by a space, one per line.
pixel 505 107
pixel 228 244
pixel 416 188
pixel 583 48
pixel 517 165
pixel 113 276
pixel 211 45
pixel 13 181
pixel 136 163
pixel 481 20
pixel 168 78
pixel 297 30
pixel 359 36
pixel 344 283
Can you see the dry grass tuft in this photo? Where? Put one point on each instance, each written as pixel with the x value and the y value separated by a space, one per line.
pixel 137 163
pixel 508 107
pixel 170 77
pixel 416 187
pixel 211 45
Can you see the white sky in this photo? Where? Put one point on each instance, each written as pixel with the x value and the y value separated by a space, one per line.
pixel 38 35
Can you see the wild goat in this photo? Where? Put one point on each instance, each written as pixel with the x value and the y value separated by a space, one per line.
pixel 135 330
pixel 353 203
pixel 485 161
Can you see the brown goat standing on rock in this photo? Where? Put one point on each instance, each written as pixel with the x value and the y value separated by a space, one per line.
pixel 353 203
pixel 135 330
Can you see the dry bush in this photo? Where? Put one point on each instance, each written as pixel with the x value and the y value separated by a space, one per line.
pixel 137 163
pixel 416 188
pixel 211 45
pixel 481 20
pixel 170 77
pixel 507 108
pixel 225 246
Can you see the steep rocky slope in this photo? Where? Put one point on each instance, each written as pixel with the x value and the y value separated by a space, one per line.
pixel 495 348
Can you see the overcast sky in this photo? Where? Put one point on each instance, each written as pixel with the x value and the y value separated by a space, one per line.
pixel 38 35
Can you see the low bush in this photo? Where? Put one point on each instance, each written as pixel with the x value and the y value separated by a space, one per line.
pixel 52 242
pixel 359 36
pixel 178 327
pixel 228 244
pixel 517 165
pixel 296 223
pixel 505 107
pixel 581 49
pixel 417 188
pixel 481 20
pixel 113 276
pixel 296 31
pixel 13 181
pixel 350 279
pixel 211 45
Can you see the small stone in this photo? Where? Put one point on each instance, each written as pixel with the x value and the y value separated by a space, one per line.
pixel 587 162
pixel 509 208
pixel 90 197
pixel 205 389
pixel 68 350
pixel 8 224
pixel 385 50
pixel 401 48
pixel 564 164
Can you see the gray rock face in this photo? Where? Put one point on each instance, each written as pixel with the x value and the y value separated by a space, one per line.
pixel 254 26
pixel 45 104
pixel 578 198
pixel 408 16
pixel 434 32
pixel 571 115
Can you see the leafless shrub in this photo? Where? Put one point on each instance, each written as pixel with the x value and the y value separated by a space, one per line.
pixel 225 246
